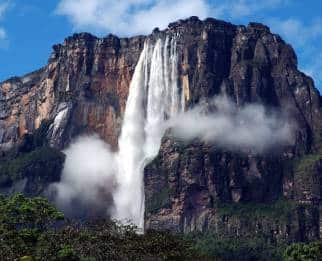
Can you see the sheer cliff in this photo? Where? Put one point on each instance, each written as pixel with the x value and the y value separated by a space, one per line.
pixel 195 186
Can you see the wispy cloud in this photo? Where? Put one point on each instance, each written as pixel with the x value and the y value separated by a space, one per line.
pixel 304 37
pixel 236 9
pixel 129 17
pixel 3 8
pixel 295 31
pixel 314 68
pixel 3 34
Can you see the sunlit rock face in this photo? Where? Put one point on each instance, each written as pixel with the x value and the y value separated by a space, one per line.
pixel 84 89
pixel 84 86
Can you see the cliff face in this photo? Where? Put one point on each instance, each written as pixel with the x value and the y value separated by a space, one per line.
pixel 83 89
pixel 199 180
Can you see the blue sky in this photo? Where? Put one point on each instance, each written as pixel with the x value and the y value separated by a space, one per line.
pixel 28 29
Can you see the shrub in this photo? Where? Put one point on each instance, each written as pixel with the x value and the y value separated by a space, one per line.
pixel 303 252
pixel 29 228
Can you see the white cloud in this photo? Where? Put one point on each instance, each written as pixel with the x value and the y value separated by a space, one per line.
pixel 250 127
pixel 3 34
pixel 295 31
pixel 3 7
pixel 243 8
pixel 304 37
pixel 247 7
pixel 129 17
pixel 314 68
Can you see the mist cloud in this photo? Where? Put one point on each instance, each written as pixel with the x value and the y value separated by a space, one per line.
pixel 88 177
pixel 251 127
pixel 3 34
pixel 3 8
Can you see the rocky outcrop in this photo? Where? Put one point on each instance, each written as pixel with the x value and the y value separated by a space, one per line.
pixel 83 89
pixel 250 64
pixel 204 188
pixel 31 165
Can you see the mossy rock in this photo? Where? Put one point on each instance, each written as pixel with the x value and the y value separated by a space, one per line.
pixel 32 162
pixel 159 200
pixel 26 258
pixel 241 248
pixel 278 210
pixel 307 163
pixel 307 176
pixel 42 159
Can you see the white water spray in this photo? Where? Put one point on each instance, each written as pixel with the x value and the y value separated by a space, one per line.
pixel 153 98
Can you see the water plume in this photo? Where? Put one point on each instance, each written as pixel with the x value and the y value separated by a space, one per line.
pixel 154 84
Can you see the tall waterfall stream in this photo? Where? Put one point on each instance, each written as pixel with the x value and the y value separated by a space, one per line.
pixel 154 97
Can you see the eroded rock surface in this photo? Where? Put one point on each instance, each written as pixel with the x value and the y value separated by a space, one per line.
pixel 84 87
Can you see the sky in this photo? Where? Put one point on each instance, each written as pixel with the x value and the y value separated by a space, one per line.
pixel 29 29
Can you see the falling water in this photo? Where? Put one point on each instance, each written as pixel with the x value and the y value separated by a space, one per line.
pixel 153 98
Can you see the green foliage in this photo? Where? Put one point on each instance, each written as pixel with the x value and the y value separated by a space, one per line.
pixel 306 163
pixel 31 213
pixel 159 200
pixel 28 143
pixel 67 254
pixel 29 228
pixel 22 220
pixel 14 169
pixel 306 177
pixel 279 210
pixel 303 252
pixel 32 229
pixel 26 258
pixel 32 156
pixel 106 240
pixel 235 248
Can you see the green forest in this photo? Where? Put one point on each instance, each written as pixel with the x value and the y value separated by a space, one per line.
pixel 33 229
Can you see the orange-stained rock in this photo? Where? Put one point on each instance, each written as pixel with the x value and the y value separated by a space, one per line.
pixel 88 75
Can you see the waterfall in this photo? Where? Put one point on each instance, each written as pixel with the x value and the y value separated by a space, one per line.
pixel 153 98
